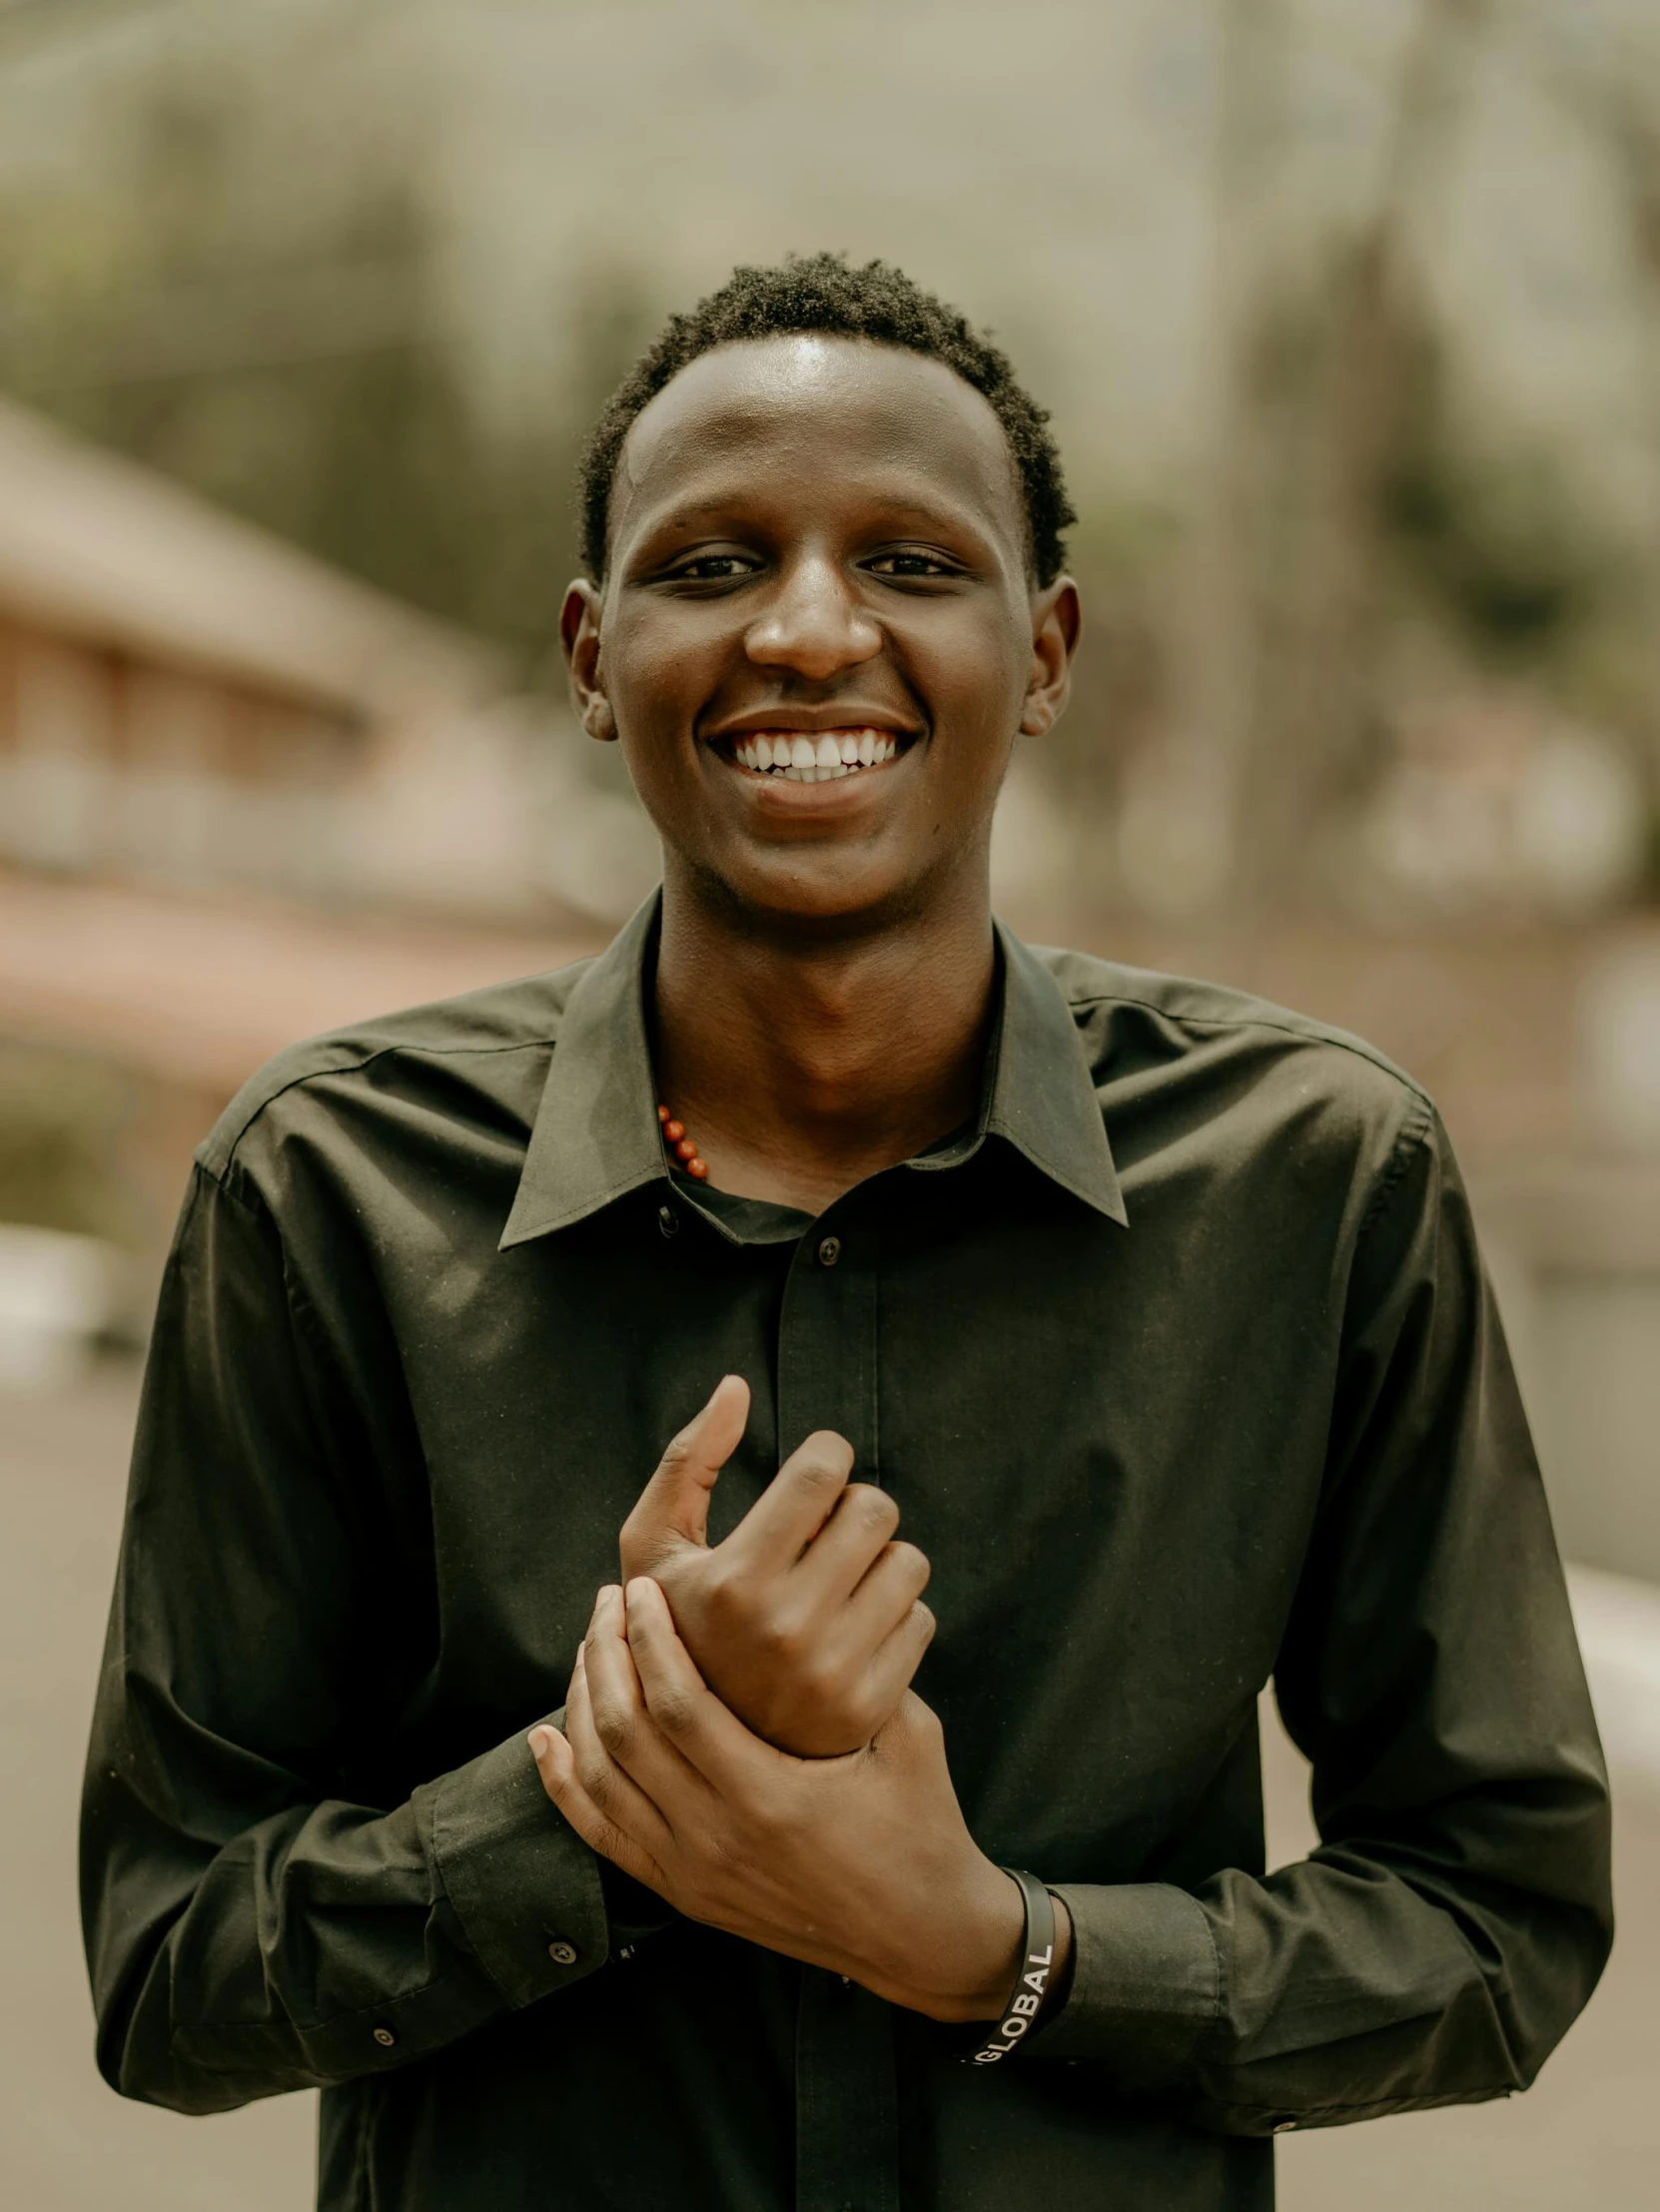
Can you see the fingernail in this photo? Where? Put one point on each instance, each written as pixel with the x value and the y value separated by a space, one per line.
pixel 541 1743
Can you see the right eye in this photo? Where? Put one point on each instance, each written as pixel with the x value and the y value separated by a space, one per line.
pixel 713 568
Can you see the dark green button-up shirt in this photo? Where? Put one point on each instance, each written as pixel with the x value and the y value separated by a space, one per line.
pixel 1180 1365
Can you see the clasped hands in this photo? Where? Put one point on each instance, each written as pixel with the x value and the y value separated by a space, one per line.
pixel 741 1736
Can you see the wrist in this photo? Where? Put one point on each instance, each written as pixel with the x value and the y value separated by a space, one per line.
pixel 984 1955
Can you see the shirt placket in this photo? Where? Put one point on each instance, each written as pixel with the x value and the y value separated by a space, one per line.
pixel 847 2139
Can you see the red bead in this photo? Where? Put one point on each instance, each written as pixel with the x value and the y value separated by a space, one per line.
pixel 674 1130
pixel 662 1114
pixel 697 1168
pixel 687 1149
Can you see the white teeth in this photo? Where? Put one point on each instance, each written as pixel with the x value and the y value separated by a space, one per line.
pixel 803 759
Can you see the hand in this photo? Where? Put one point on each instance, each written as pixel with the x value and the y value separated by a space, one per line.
pixel 807 1620
pixel 862 1865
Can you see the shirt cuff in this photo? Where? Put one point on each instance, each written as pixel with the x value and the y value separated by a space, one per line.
pixel 524 1884
pixel 1146 1982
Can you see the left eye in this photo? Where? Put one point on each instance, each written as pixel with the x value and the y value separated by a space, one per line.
pixel 908 564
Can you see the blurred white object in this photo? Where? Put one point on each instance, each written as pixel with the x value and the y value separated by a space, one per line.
pixel 1494 798
pixel 1580 822
pixel 58 1293
pixel 1618 1618
pixel 1619 1017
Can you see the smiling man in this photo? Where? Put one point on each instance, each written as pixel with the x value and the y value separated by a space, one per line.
pixel 1153 1310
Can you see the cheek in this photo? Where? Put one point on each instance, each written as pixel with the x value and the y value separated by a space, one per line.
pixel 658 675
pixel 972 674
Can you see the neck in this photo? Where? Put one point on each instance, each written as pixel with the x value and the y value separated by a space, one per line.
pixel 801 1065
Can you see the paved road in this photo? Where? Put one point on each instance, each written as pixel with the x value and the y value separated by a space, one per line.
pixel 1588 2136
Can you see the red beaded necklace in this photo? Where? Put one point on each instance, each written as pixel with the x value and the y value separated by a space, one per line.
pixel 680 1146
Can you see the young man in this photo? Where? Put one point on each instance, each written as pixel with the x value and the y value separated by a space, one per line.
pixel 1154 1309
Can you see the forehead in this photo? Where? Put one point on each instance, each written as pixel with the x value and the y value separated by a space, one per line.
pixel 770 420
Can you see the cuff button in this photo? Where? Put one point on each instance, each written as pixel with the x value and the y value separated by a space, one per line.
pixel 562 1954
pixel 385 2037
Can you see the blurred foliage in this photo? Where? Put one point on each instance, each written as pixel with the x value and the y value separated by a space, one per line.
pixel 61 1123
pixel 292 365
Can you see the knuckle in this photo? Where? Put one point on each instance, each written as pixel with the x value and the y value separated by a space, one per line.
pixel 614 1728
pixel 817 1471
pixel 726 1600
pixel 822 1679
pixel 595 1775
pixel 674 1712
pixel 914 1565
pixel 876 1508
pixel 786 1637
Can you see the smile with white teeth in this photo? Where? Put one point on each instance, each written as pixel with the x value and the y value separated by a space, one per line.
pixel 801 758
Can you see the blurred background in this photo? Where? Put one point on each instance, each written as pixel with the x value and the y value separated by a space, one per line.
pixel 1348 313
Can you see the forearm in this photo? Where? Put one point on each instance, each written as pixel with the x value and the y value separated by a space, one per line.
pixel 326 1940
pixel 1330 1992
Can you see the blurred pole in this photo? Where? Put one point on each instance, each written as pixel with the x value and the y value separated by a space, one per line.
pixel 1182 825
pixel 1627 106
pixel 1279 621
pixel 1320 698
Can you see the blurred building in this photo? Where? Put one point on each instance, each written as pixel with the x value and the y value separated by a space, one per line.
pixel 243 797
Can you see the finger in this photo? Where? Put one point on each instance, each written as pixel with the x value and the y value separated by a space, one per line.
pixel 622 1721
pixel 846 1551
pixel 895 1663
pixel 692 1720
pixel 557 1765
pixel 673 1508
pixel 795 1505
pixel 610 1788
pixel 885 1597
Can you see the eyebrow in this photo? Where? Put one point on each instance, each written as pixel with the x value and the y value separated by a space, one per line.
pixel 691 513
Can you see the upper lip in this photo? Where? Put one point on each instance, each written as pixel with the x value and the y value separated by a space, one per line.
pixel 812 721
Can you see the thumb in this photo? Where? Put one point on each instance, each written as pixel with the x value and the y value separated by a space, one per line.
pixel 673 1508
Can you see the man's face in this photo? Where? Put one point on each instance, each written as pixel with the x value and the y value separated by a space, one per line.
pixel 818 547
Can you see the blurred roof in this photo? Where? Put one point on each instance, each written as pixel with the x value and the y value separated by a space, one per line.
pixel 109 552
pixel 200 992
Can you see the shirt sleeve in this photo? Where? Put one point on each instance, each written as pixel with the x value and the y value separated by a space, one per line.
pixel 251 1927
pixel 1457 1913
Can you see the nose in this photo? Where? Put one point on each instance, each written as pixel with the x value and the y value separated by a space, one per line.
pixel 813 623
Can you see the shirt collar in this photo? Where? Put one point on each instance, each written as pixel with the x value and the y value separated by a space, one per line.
pixel 596 1136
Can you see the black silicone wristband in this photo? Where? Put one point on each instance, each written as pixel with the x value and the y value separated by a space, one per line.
pixel 1033 1980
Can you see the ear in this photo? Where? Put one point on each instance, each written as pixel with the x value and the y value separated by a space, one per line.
pixel 579 640
pixel 1057 620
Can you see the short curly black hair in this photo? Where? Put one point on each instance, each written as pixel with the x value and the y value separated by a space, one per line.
pixel 822 292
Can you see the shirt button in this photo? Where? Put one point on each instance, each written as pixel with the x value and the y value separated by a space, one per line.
pixel 668 1221
pixel 562 1954
pixel 385 2037
pixel 830 1251
pixel 1284 2127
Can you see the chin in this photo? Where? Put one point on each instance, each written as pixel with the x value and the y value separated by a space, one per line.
pixel 815 903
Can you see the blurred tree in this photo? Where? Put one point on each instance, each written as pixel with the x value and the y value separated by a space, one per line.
pixel 294 362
